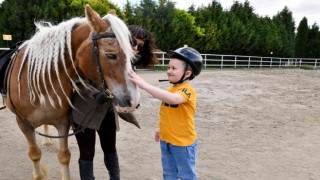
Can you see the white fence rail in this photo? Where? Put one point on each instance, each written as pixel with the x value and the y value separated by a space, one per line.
pixel 238 61
pixel 3 49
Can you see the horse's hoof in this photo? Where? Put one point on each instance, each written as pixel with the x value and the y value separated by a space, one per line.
pixel 44 175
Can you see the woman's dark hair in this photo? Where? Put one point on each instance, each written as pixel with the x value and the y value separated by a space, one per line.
pixel 147 57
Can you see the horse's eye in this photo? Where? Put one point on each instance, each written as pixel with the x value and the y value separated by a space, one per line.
pixel 111 55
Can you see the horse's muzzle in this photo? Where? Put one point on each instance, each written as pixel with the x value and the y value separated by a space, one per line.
pixel 125 101
pixel 124 104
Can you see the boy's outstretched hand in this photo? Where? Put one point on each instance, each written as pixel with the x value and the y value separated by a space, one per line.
pixel 137 79
pixel 157 136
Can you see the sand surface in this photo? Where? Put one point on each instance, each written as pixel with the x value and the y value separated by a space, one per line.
pixel 251 124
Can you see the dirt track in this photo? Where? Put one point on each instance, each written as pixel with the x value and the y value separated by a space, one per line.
pixel 251 124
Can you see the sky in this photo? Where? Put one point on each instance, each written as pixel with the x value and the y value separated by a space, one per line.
pixel 299 8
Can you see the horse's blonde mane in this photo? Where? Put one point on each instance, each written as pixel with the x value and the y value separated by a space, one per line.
pixel 43 52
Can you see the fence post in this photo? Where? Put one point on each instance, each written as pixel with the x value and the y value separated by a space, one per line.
pixel 249 62
pixel 235 61
pixel 300 62
pixel 162 59
pixel 280 63
pixel 260 62
pixel 221 61
pixel 205 61
pixel 271 62
pixel 315 63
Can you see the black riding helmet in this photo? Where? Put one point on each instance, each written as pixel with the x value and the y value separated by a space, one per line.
pixel 191 56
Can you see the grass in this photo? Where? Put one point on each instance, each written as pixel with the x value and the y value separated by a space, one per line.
pixel 307 67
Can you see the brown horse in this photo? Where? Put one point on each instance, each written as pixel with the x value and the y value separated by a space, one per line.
pixel 42 76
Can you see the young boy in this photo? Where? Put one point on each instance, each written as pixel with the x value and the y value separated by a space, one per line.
pixel 178 139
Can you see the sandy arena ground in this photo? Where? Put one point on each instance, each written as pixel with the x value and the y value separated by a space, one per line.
pixel 251 124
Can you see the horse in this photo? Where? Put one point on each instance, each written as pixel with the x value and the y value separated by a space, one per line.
pixel 41 77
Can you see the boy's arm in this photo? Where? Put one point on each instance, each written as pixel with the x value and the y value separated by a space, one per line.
pixel 163 95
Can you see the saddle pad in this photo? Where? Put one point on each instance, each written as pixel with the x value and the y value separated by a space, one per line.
pixel 88 112
pixel 5 59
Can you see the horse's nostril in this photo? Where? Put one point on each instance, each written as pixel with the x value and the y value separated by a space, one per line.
pixel 127 101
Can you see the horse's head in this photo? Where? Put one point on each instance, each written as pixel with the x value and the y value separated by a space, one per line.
pixel 109 60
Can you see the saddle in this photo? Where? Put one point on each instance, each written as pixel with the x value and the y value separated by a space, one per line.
pixel 5 59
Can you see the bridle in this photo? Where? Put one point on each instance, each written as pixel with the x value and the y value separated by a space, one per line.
pixel 95 53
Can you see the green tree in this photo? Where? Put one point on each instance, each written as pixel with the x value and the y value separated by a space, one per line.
pixel 268 37
pixel 301 38
pixel 313 43
pixel 128 13
pixel 286 26
pixel 17 17
pixel 209 19
pixel 184 29
pixel 162 25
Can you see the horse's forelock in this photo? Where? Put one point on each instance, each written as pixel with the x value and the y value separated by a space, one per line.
pixel 123 36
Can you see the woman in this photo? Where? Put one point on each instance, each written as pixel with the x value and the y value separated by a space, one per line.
pixel 143 46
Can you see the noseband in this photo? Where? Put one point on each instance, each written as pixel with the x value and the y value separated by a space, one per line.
pixel 95 52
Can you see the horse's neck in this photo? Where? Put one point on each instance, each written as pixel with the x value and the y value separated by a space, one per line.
pixel 81 47
pixel 79 35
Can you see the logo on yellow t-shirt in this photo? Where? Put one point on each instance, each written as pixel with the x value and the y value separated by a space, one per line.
pixel 185 91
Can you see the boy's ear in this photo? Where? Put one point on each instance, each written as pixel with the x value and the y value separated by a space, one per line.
pixel 188 73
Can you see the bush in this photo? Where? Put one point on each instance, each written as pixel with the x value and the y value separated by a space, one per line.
pixel 307 67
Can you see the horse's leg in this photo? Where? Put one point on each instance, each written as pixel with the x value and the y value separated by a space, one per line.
pixel 46 140
pixel 34 151
pixel 64 154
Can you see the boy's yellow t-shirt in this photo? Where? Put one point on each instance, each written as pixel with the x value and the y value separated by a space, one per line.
pixel 176 122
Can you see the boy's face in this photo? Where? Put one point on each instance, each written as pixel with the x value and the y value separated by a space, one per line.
pixel 175 70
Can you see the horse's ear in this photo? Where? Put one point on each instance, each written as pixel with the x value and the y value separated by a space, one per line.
pixel 93 18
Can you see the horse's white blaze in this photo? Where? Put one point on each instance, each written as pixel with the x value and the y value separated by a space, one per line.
pixel 119 92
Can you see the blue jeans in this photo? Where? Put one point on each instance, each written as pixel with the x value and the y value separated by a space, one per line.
pixel 178 162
